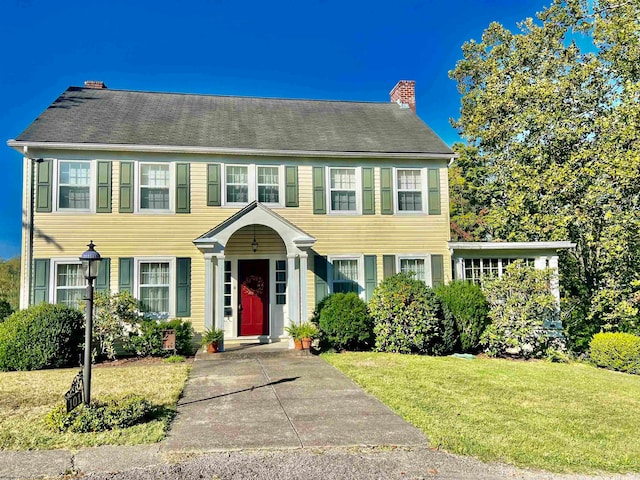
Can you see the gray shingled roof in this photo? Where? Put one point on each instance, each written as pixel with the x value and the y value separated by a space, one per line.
pixel 105 116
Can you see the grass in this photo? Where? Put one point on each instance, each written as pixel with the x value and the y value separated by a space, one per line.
pixel 26 397
pixel 558 417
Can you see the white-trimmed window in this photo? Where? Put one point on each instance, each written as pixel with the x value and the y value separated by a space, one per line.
pixel 228 309
pixel 268 184
pixel 155 286
pixel 346 274
pixel 477 269
pixel 70 283
pixel 343 190
pixel 155 187
pixel 237 184
pixel 415 266
pixel 74 185
pixel 281 282
pixel 245 183
pixel 410 191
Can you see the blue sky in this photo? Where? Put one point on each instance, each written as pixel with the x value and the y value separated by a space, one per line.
pixel 319 49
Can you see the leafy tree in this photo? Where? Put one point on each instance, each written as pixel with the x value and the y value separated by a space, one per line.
pixel 557 126
pixel 10 282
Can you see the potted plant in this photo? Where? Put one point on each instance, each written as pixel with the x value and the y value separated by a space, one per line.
pixel 211 339
pixel 294 332
pixel 307 331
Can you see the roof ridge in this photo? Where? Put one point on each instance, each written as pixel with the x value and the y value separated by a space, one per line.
pixel 230 96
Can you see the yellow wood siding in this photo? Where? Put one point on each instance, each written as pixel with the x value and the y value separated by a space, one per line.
pixel 137 234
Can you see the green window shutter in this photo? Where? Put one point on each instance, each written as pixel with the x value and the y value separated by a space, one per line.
pixel 319 193
pixel 291 188
pixel 388 265
pixel 214 187
pixel 437 270
pixel 40 281
pixel 386 191
pixel 183 287
pixel 125 275
pixel 126 187
pixel 103 201
pixel 320 271
pixel 434 191
pixel 104 275
pixel 370 275
pixel 44 174
pixel 368 192
pixel 183 188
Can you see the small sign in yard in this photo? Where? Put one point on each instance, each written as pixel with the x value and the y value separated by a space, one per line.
pixel 74 395
pixel 169 339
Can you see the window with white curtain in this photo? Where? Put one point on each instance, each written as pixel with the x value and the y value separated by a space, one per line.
pixel 237 181
pixel 415 266
pixel 345 275
pixel 70 284
pixel 74 185
pixel 269 184
pixel 154 287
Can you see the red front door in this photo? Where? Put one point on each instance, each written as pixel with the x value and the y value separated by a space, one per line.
pixel 253 311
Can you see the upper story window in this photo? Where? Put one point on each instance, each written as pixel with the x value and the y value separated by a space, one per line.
pixel 410 190
pixel 74 185
pixel 343 189
pixel 69 284
pixel 237 184
pixel 246 183
pixel 268 185
pixel 155 186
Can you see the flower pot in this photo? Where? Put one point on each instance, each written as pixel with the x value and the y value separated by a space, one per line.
pixel 212 347
pixel 297 344
pixel 306 343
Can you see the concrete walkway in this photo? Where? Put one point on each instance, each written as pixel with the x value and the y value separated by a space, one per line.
pixel 280 402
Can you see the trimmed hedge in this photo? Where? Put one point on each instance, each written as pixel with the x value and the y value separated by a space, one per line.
pixel 41 336
pixel 465 303
pixel 616 351
pixel 345 322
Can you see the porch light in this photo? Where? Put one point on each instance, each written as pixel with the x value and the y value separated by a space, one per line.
pixel 254 244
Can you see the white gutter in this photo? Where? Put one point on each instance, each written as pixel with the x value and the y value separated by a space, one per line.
pixel 225 151
pixel 510 245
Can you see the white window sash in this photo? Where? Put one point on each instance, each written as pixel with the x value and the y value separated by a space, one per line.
pixel 139 185
pixel 57 184
pixel 357 189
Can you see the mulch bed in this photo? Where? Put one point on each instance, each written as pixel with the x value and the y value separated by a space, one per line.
pixel 133 361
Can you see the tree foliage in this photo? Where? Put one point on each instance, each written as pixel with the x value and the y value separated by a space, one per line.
pixel 10 282
pixel 554 112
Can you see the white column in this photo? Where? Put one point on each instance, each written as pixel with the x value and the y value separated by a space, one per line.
pixel 555 281
pixel 459 268
pixel 208 290
pixel 219 289
pixel 540 263
pixel 293 297
pixel 304 314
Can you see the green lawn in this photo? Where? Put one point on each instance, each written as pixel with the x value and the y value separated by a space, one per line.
pixel 558 417
pixel 26 397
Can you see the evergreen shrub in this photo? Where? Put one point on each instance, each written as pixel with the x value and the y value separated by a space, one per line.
pixel 41 336
pixel 345 322
pixel 616 351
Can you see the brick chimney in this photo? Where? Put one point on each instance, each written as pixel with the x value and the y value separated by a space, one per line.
pixel 404 94
pixel 94 84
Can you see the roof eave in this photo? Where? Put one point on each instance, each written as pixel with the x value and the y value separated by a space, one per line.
pixel 19 145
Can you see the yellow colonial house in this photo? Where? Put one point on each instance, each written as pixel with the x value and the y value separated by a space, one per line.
pixel 234 212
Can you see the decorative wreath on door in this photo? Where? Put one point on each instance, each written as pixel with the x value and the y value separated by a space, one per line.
pixel 253 285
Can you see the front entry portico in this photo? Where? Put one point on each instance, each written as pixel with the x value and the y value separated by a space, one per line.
pixel 255 274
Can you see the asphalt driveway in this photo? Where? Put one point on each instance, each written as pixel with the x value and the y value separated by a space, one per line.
pixel 280 402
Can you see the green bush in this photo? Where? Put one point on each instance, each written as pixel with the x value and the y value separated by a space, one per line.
pixel 5 310
pixel 115 313
pixel 41 336
pixel 345 322
pixel 465 303
pixel 520 308
pixel 408 317
pixel 101 415
pixel 616 351
pixel 147 339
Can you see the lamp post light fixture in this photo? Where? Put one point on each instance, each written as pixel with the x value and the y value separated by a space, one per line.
pixel 90 264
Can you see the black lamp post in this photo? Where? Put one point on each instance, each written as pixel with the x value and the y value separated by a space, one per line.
pixel 90 263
